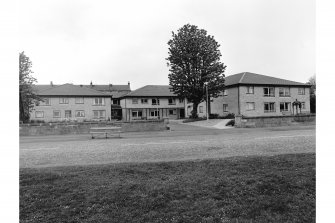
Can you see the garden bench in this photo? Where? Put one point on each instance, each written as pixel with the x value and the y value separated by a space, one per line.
pixel 105 131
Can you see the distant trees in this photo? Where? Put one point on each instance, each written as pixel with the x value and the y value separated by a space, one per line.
pixel 312 82
pixel 194 60
pixel 26 94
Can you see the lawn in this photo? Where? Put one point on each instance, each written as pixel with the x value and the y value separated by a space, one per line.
pixel 240 189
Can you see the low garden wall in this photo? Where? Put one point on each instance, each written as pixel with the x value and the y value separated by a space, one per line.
pixel 269 121
pixel 84 127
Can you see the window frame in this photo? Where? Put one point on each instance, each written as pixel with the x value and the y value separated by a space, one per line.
pixel 69 113
pixel 81 116
pixel 248 90
pixel 53 114
pixel 157 101
pixel 303 105
pixel 144 101
pixel 225 106
pixel 269 92
pixel 137 113
pixel 303 91
pixel 174 111
pixel 225 92
pixel 173 101
pixel 99 104
pixel 288 107
pixel 64 101
pixel 284 92
pixel 76 100
pixel 247 106
pixel 43 103
pixel 134 101
pixel 270 111
pixel 41 112
pixel 181 100
pixel 99 114
pixel 201 109
pixel 156 113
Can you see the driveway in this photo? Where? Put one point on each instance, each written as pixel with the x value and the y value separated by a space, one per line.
pixel 183 142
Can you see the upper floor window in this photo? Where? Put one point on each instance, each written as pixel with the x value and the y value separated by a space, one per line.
pixel 269 107
pixel 269 91
pixel 225 92
pixel 284 92
pixel 155 101
pixel 39 114
pixel 63 100
pixel 181 100
pixel 250 89
pixel 301 91
pixel 79 100
pixel 116 102
pixel 172 101
pixel 98 101
pixel 134 101
pixel 201 109
pixel 144 101
pixel 44 102
pixel 250 106
pixel 285 106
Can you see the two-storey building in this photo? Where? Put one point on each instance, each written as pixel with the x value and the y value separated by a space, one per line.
pixel 152 102
pixel 250 94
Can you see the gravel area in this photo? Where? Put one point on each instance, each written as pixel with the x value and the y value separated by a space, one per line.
pixel 182 143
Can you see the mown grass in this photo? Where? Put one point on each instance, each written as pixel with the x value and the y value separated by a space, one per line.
pixel 241 189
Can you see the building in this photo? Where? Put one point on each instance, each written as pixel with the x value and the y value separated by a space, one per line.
pixel 78 102
pixel 152 102
pixel 250 94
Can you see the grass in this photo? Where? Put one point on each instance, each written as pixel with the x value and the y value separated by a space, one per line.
pixel 241 189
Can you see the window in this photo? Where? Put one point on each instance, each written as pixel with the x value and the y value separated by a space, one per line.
pixel 285 106
pixel 269 91
pixel 98 101
pixel 63 101
pixel 136 114
pixel 79 100
pixel 172 112
pixel 80 113
pixel 56 114
pixel 172 101
pixel 99 113
pixel 201 109
pixel 303 105
pixel 301 91
pixel 181 100
pixel 116 102
pixel 269 107
pixel 39 114
pixel 134 101
pixel 45 102
pixel 225 107
pixel 225 92
pixel 144 101
pixel 154 113
pixel 284 92
pixel 250 89
pixel 68 114
pixel 155 101
pixel 250 106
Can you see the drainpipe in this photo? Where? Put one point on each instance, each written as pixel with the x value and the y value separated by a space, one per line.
pixel 238 99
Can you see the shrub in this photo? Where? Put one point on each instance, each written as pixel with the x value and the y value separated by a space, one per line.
pixel 228 116
pixel 231 122
pixel 213 116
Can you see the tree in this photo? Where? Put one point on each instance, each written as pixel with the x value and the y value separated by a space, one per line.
pixel 194 59
pixel 312 82
pixel 26 93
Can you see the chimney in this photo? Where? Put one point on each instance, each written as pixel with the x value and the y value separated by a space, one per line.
pixel 128 83
pixel 52 84
pixel 91 84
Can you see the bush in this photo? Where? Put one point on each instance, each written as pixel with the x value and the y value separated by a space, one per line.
pixel 213 116
pixel 228 116
pixel 231 122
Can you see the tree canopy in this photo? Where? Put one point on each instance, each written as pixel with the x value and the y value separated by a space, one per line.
pixel 312 82
pixel 26 93
pixel 193 61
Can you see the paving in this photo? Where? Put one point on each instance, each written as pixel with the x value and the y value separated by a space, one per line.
pixel 182 142
pixel 211 123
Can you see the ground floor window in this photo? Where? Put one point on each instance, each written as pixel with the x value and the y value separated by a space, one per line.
pixel 154 113
pixel 201 109
pixel 285 106
pixel 250 106
pixel 269 107
pixel 56 114
pixel 172 112
pixel 99 114
pixel 80 113
pixel 39 114
pixel 136 114
pixel 303 105
pixel 68 114
pixel 225 107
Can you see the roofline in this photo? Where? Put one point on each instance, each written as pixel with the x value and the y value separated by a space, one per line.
pixel 279 85
pixel 71 96
pixel 148 96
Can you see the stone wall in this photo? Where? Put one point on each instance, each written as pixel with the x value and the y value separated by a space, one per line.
pixel 269 121
pixel 84 128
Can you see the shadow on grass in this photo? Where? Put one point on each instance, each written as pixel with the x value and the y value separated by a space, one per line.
pixel 241 189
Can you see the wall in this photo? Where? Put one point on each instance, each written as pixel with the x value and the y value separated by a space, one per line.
pixel 84 128
pixel 259 99
pixel 88 107
pixel 268 121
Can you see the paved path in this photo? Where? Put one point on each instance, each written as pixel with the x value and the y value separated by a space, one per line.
pixel 183 142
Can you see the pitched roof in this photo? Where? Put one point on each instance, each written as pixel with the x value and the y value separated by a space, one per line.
pixel 109 87
pixel 70 90
pixel 152 90
pixel 252 78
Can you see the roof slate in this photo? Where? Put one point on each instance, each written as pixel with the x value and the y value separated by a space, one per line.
pixel 152 90
pixel 70 90
pixel 252 78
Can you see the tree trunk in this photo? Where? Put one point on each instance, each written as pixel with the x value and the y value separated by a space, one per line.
pixel 194 113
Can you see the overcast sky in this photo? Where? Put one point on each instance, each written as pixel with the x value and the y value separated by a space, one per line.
pixel 115 42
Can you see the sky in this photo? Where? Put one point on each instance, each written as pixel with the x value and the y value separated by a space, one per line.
pixel 113 42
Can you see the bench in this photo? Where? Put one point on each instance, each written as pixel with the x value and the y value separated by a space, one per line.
pixel 105 131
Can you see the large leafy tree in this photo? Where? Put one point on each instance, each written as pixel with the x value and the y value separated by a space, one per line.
pixel 312 82
pixel 27 95
pixel 193 61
